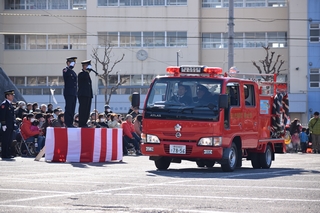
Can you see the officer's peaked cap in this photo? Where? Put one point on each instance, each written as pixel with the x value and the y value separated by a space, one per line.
pixel 9 92
pixel 86 62
pixel 202 88
pixel 70 59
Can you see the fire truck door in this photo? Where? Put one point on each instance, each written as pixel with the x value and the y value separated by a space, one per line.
pixel 250 116
pixel 233 115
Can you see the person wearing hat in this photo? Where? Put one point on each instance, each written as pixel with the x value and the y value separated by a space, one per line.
pixel 107 109
pixel 70 90
pixel 7 123
pixel 85 93
pixel 203 95
pixel 21 110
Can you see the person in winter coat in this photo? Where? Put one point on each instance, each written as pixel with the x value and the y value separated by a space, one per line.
pixel 30 135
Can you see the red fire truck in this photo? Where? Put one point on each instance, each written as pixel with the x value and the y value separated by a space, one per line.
pixel 197 114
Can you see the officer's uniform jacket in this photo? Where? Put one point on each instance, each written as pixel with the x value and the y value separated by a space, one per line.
pixel 85 84
pixel 7 114
pixel 70 82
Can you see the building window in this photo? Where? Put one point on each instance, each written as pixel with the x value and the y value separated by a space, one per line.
pixel 130 39
pixel 245 40
pixel 78 42
pixel 18 81
pixel 244 3
pixel 108 38
pixel 139 39
pixel 176 39
pixel 314 78
pixel 314 32
pixel 277 39
pixel 124 39
pixel 177 2
pixel 42 42
pixel 255 39
pixel 107 2
pixel 153 2
pixel 255 3
pixel 55 81
pixel 211 40
pixel 36 42
pixel 58 42
pixel 135 3
pixel 14 42
pixel 78 4
pixel 153 39
pixel 277 3
pixel 45 4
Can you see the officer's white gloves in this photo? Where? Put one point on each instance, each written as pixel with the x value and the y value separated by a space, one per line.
pixel 4 128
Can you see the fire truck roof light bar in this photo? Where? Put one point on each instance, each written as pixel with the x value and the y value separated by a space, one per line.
pixel 176 70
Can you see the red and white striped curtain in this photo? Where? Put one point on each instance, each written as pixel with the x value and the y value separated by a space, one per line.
pixel 83 144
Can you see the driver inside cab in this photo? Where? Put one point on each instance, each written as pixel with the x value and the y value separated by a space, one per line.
pixel 182 95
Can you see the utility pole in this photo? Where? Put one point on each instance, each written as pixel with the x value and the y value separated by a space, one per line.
pixel 178 57
pixel 230 34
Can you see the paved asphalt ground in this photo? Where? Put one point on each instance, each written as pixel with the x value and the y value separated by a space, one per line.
pixel 134 185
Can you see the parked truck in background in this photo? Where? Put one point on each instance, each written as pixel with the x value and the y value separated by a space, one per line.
pixel 237 119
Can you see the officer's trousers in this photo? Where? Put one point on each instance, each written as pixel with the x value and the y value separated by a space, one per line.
pixel 84 110
pixel 69 109
pixel 6 143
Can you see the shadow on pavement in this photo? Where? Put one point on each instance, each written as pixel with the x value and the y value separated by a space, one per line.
pixel 242 173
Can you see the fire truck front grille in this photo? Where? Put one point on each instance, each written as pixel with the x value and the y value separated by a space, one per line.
pixel 188 149
pixel 172 134
pixel 183 141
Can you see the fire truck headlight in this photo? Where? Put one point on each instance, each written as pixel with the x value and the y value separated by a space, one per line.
pixel 210 141
pixel 205 142
pixel 152 139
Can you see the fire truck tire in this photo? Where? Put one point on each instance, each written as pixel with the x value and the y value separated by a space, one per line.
pixel 162 163
pixel 200 163
pixel 266 158
pixel 255 161
pixel 231 163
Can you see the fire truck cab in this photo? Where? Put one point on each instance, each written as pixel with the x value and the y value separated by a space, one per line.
pixel 197 114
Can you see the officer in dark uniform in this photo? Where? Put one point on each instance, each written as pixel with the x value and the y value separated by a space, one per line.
pixel 85 93
pixel 7 123
pixel 70 90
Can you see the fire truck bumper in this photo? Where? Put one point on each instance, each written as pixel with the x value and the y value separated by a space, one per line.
pixel 182 151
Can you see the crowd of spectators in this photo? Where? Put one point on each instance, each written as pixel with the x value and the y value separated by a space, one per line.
pixel 32 122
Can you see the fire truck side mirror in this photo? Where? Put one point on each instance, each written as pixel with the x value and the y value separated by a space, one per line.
pixel 223 101
pixel 135 100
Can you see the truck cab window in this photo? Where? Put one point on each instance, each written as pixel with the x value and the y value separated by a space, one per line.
pixel 233 91
pixel 249 95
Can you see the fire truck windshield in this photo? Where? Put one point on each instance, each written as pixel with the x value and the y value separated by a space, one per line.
pixel 187 98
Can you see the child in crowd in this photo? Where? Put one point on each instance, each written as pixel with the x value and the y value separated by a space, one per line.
pixel 34 125
pixel 304 139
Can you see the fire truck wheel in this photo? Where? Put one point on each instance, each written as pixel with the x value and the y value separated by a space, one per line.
pixel 162 163
pixel 200 163
pixel 266 158
pixel 231 163
pixel 255 161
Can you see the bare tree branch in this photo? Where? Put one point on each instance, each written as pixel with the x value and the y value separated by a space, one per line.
pixel 107 68
pixel 268 66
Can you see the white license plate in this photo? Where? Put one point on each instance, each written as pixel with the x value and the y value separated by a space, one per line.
pixel 177 149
